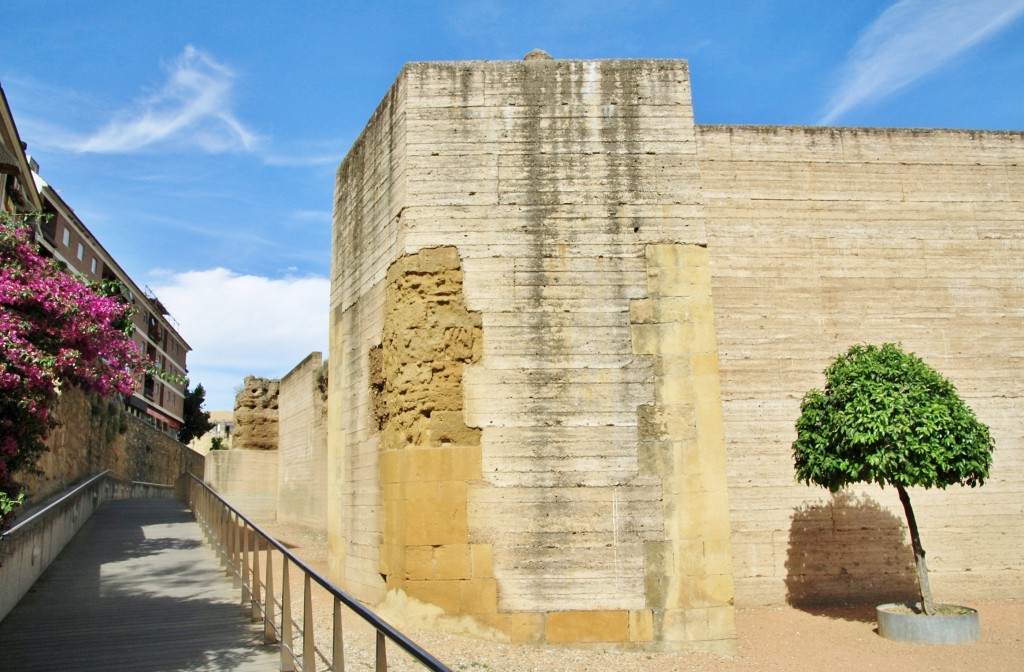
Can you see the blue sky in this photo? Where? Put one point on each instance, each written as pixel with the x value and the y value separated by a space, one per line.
pixel 199 140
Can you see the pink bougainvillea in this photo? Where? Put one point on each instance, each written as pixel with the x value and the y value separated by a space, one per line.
pixel 55 330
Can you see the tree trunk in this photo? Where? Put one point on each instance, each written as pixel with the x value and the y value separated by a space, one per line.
pixel 915 542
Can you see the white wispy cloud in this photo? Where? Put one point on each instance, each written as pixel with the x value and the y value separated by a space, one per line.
pixel 911 39
pixel 192 108
pixel 240 324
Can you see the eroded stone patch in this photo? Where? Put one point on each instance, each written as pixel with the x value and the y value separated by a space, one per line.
pixel 428 454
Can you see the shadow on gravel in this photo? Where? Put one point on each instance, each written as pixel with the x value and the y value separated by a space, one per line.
pixel 846 556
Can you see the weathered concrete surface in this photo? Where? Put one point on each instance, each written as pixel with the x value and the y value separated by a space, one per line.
pixel 302 445
pixel 551 179
pixel 247 479
pixel 825 237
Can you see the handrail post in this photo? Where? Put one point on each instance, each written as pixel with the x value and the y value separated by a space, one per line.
pixel 245 565
pixel 287 641
pixel 338 654
pixel 221 513
pixel 255 616
pixel 308 631
pixel 382 652
pixel 236 555
pixel 269 636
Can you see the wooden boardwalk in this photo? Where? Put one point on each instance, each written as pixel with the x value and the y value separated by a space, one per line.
pixel 137 589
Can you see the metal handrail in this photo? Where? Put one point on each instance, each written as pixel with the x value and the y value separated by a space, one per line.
pixel 38 515
pixel 229 527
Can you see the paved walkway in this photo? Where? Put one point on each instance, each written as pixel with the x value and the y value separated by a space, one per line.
pixel 137 589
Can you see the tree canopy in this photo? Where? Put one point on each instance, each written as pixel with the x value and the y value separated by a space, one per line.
pixel 196 420
pixel 886 417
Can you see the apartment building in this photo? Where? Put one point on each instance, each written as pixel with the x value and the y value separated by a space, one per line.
pixel 62 235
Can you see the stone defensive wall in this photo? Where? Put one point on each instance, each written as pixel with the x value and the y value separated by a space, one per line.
pixel 570 331
pixel 825 237
pixel 302 445
pixel 94 434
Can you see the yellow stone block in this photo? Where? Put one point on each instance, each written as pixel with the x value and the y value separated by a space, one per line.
pixel 387 555
pixel 703 515
pixel 482 557
pixel 643 311
pixel 390 466
pixel 646 339
pixel 526 628
pixel 641 626
pixel 410 516
pixel 500 622
pixel 718 556
pixel 436 522
pixel 448 427
pixel 680 281
pixel 690 558
pixel 427 464
pixel 393 492
pixel 696 625
pixel 451 562
pixel 467 463
pixel 722 622
pixel 670 625
pixel 703 592
pixel 444 594
pixel 422 491
pixel 419 563
pixel 676 390
pixel 705 365
pixel 452 490
pixel 564 627
pixel 479 596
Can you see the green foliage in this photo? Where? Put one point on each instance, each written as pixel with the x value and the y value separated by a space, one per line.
pixel 7 506
pixel 217 443
pixel 196 420
pixel 886 417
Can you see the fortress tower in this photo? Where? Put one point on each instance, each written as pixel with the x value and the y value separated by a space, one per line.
pixel 524 418
pixel 570 332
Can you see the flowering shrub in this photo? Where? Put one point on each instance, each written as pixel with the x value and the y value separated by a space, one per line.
pixel 55 330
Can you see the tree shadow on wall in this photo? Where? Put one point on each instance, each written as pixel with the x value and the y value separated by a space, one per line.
pixel 846 556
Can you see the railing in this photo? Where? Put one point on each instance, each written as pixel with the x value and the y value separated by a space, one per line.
pixel 240 543
pixel 28 548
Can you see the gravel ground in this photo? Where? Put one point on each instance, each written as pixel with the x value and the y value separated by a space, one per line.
pixel 777 638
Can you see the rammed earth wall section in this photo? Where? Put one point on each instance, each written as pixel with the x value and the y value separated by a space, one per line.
pixel 825 237
pixel 302 445
pixel 569 193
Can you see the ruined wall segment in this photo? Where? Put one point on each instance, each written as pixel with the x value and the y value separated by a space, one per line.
pixel 825 237
pixel 302 445
pixel 256 414
pixel 550 182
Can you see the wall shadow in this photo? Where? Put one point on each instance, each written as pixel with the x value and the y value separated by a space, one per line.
pixel 846 556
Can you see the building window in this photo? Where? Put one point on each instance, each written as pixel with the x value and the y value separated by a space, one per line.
pixel 81 251
pixel 67 237
pixel 93 265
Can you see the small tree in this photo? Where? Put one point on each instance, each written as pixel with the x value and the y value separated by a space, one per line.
pixel 886 417
pixel 55 330
pixel 196 420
